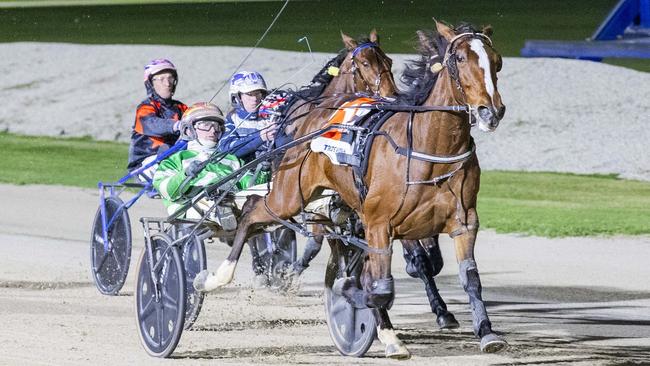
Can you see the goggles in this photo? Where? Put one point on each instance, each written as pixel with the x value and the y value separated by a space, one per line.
pixel 162 79
pixel 207 125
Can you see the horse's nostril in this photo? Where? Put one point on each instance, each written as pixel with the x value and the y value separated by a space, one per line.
pixel 501 111
pixel 485 113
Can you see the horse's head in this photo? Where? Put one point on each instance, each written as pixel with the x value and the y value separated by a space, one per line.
pixel 473 65
pixel 369 66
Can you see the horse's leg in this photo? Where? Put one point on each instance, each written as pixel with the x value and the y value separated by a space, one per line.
pixel 379 288
pixel 312 248
pixel 206 281
pixel 471 282
pixel 395 348
pixel 284 203
pixel 424 261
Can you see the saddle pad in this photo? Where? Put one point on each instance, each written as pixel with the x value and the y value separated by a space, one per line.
pixel 339 141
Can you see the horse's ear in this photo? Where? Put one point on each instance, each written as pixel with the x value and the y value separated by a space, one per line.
pixel 487 30
pixel 374 38
pixel 444 30
pixel 348 41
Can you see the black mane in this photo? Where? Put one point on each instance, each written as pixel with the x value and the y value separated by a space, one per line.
pixel 417 75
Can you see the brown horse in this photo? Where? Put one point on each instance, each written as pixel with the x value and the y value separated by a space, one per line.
pixel 361 66
pixel 411 195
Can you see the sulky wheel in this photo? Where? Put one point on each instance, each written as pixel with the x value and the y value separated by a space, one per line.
pixel 278 256
pixel 160 297
pixel 110 267
pixel 352 329
pixel 194 261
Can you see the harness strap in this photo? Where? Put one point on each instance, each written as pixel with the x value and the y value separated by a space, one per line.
pixel 449 159
pixel 302 229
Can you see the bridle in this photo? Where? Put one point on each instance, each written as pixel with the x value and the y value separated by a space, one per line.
pixel 354 68
pixel 449 60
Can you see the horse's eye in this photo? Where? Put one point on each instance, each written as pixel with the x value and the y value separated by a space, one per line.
pixel 365 63
pixel 460 58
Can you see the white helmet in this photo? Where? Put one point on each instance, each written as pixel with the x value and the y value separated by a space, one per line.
pixel 244 82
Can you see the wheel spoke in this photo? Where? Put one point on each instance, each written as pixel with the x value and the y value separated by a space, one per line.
pixel 148 308
pixel 117 261
pixel 169 302
pixel 101 262
pixel 160 319
pixel 262 252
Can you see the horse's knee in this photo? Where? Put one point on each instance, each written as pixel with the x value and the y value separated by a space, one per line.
pixel 423 259
pixel 434 255
pixel 416 261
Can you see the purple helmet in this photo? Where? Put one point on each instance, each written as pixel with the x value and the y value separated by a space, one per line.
pixel 158 65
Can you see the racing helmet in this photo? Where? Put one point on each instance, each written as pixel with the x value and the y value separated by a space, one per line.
pixel 159 65
pixel 244 82
pixel 202 111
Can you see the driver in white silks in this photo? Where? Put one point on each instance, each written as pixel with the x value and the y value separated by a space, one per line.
pixel 202 125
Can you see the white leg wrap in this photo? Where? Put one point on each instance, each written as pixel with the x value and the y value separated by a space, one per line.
pixel 395 348
pixel 224 275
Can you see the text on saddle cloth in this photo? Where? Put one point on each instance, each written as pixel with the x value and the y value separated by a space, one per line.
pixel 338 144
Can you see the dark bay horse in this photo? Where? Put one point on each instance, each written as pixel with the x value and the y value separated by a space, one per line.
pixel 408 196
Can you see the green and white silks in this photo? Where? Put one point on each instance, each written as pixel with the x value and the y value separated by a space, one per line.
pixel 171 173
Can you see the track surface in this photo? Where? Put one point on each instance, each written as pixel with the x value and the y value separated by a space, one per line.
pixel 568 301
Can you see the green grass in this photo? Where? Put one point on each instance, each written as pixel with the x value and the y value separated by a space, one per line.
pixel 241 23
pixel 554 204
pixel 77 162
pixel 546 204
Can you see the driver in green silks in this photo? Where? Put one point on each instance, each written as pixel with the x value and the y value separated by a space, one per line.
pixel 202 125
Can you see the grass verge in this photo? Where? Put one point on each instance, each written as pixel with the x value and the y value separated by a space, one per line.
pixel 555 204
pixel 79 162
pixel 545 204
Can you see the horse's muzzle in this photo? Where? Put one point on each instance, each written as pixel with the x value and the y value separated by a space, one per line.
pixel 488 118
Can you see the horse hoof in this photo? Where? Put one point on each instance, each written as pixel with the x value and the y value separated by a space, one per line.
pixel 199 281
pixel 397 352
pixel 492 343
pixel 447 321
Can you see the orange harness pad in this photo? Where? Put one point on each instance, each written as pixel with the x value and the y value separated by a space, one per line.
pixel 347 115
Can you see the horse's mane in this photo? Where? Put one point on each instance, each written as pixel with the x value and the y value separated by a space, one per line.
pixel 417 74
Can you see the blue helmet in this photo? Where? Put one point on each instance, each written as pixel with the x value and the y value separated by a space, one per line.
pixel 244 82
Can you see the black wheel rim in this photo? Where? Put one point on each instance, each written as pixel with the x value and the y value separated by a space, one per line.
pixel 110 268
pixel 161 313
pixel 353 330
pixel 194 261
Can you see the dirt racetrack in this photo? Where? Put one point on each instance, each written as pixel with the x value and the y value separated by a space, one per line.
pixel 583 301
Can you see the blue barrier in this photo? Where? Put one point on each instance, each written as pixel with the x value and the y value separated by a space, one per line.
pixel 625 33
